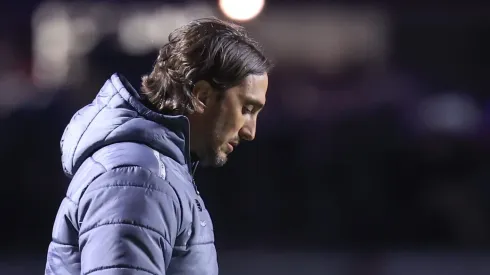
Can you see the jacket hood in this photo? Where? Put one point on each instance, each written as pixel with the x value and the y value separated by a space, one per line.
pixel 118 115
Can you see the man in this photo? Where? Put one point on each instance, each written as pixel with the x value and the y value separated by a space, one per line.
pixel 132 206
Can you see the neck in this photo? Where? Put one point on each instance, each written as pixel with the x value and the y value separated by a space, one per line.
pixel 193 134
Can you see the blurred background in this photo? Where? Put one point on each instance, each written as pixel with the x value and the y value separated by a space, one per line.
pixel 372 155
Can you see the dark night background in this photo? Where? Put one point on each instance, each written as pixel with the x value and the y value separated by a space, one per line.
pixel 378 164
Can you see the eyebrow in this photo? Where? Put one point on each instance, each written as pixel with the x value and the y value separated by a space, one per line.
pixel 258 104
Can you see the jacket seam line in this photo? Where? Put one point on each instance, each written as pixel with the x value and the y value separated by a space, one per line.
pixel 193 244
pixel 82 193
pixel 131 223
pixel 119 266
pixel 64 244
pixel 88 125
pixel 70 200
pixel 134 184
pixel 130 184
pixel 131 118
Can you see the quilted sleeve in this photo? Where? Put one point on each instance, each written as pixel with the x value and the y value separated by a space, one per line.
pixel 128 222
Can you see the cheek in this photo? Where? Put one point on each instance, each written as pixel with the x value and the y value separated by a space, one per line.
pixel 230 124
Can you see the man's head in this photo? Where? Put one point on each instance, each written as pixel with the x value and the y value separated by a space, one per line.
pixel 215 74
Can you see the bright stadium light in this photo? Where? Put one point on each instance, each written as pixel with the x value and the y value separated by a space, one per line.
pixel 241 10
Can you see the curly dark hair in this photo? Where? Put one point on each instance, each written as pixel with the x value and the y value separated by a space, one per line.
pixel 209 49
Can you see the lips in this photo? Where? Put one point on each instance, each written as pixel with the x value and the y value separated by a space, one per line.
pixel 232 145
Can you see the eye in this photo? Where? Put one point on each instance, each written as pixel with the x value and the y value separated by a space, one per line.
pixel 248 109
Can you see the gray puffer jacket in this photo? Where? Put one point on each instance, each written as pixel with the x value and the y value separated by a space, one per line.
pixel 132 206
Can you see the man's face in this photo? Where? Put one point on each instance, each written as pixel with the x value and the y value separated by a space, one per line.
pixel 229 119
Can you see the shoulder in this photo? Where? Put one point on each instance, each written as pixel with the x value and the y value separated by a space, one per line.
pixel 127 154
pixel 141 163
pixel 123 166
pixel 132 165
pixel 131 172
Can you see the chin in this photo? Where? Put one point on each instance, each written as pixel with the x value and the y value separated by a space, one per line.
pixel 220 160
pixel 217 159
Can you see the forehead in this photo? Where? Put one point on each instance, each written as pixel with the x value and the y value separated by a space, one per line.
pixel 254 87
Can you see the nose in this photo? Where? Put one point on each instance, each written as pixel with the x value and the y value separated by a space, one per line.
pixel 248 130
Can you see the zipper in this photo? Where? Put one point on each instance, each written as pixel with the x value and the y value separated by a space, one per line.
pixel 194 168
pixel 195 187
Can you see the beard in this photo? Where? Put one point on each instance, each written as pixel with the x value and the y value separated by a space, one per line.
pixel 214 157
pixel 211 157
pixel 214 154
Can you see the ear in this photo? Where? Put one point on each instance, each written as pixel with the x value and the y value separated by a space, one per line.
pixel 202 92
